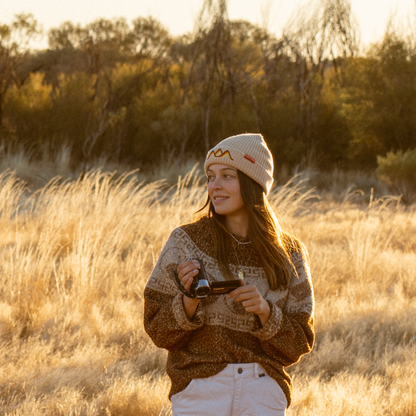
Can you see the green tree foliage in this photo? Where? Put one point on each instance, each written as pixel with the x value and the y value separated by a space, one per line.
pixel 14 54
pixel 132 93
pixel 381 101
pixel 28 109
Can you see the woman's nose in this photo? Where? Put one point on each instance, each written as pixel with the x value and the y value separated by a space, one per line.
pixel 216 183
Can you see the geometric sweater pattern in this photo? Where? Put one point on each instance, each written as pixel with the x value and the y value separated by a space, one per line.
pixel 221 331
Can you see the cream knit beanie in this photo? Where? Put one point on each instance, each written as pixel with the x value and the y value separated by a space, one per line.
pixel 248 153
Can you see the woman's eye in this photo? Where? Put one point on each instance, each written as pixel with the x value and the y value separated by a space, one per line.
pixel 210 178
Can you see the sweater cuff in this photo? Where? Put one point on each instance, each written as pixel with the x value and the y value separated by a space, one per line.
pixel 182 318
pixel 272 326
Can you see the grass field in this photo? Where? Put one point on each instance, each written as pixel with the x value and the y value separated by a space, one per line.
pixel 75 257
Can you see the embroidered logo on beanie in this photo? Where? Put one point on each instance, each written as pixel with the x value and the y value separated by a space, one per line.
pixel 220 153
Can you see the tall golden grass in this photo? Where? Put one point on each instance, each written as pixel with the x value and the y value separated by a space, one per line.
pixel 75 257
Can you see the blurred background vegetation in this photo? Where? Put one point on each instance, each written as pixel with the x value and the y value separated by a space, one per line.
pixel 131 94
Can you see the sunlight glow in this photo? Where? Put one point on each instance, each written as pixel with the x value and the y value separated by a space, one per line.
pixel 179 16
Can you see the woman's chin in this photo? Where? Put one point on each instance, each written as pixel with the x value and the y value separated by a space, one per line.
pixel 220 211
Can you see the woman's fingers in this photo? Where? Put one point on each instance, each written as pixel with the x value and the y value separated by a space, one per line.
pixel 187 282
pixel 187 270
pixel 250 298
pixel 244 292
pixel 250 302
pixel 188 277
pixel 188 265
pixel 247 295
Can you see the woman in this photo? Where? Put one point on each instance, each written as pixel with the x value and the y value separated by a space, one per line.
pixel 227 352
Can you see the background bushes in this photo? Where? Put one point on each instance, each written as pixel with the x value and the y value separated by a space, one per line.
pixel 133 94
pixel 399 171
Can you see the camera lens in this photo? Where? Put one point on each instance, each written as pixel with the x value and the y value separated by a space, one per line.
pixel 203 289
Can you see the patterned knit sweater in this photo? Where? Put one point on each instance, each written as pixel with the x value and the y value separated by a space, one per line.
pixel 221 331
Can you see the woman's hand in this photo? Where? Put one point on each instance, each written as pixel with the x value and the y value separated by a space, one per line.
pixel 187 270
pixel 252 300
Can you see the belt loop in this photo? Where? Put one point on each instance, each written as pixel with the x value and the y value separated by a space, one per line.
pixel 256 370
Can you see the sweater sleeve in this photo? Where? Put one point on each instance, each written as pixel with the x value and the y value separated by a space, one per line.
pixel 289 333
pixel 165 319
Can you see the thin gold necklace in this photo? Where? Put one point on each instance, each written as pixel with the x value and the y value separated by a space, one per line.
pixel 240 272
pixel 239 242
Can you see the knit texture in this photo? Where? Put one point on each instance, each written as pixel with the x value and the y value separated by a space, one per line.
pixel 248 153
pixel 221 331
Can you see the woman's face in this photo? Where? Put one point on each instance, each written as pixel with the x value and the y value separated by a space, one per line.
pixel 224 190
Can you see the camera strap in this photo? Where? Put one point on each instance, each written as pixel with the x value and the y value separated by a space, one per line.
pixel 180 286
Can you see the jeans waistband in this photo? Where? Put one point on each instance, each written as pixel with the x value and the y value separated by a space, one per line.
pixel 246 370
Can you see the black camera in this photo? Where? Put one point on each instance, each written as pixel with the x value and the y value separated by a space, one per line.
pixel 201 287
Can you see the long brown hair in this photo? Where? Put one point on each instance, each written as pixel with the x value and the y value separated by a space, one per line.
pixel 272 245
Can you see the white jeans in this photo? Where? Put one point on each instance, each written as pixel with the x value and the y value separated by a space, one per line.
pixel 238 390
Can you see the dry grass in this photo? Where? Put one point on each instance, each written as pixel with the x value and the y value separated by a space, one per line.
pixel 75 257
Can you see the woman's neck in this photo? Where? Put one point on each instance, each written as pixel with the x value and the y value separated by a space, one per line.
pixel 237 225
